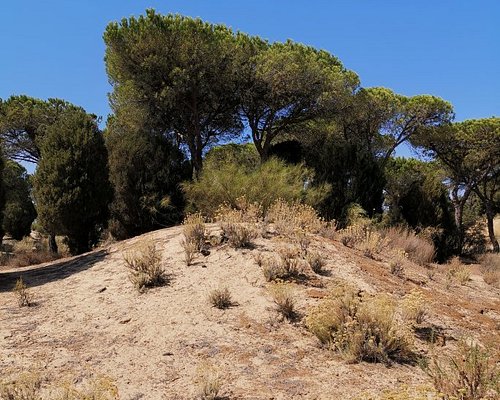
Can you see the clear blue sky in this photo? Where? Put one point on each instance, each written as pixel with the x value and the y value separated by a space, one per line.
pixel 449 48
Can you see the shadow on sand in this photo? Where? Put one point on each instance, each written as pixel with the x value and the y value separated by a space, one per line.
pixel 54 271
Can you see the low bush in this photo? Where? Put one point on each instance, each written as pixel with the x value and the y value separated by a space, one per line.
pixel 224 182
pixel 352 235
pixel 470 374
pixel 397 264
pixel 284 299
pixel 194 230
pixel 456 272
pixel 220 298
pixel 146 268
pixel 24 296
pixel 238 235
pixel 209 381
pixel 490 268
pixel 418 249
pixel 316 262
pixel 288 218
pixel 413 307
pixel 360 328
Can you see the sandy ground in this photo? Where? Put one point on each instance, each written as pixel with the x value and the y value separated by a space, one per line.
pixel 90 321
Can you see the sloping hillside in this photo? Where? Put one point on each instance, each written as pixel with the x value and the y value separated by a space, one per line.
pixel 89 321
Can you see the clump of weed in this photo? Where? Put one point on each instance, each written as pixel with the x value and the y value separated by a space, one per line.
pixel 352 235
pixel 372 243
pixel 24 296
pixel 25 387
pixel 209 382
pixel 290 217
pixel 414 309
pixel 194 233
pixel 360 328
pixel 397 263
pixel 284 299
pixel 490 268
pixel 457 272
pixel 220 298
pixel 238 235
pixel 316 261
pixel 470 374
pixel 303 240
pixel 145 267
pixel 419 249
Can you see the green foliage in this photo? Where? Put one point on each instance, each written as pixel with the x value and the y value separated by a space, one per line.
pixel 225 183
pixel 2 194
pixel 24 121
pixel 71 186
pixel 285 84
pixel 19 211
pixel 177 75
pixel 145 170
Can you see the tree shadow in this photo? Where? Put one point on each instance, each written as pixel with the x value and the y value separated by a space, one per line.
pixel 53 272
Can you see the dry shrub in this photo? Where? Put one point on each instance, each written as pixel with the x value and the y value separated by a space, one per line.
pixel 352 235
pixel 490 268
pixel 284 299
pixel 220 298
pixel 290 263
pixel 404 393
pixel 470 374
pixel 244 211
pixel 302 239
pixel 373 243
pixel 25 387
pixel 189 251
pixel 316 262
pixel 397 264
pixel 29 387
pixel 457 272
pixel 194 230
pixel 360 328
pixel 291 217
pixel 413 307
pixel 287 266
pixel 239 235
pixel 418 249
pixel 101 388
pixel 209 382
pixel 146 269
pixel 24 296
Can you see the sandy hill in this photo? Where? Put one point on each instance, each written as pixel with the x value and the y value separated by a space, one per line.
pixel 89 320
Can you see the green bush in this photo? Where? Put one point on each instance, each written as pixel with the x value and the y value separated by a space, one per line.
pixel 226 182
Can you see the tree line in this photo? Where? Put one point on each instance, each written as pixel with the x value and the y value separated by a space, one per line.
pixel 184 89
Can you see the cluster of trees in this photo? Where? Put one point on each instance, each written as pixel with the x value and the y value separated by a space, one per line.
pixel 182 86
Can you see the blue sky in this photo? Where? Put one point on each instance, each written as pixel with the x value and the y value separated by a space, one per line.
pixel 449 48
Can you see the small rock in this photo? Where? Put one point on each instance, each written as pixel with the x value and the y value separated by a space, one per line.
pixel 168 353
pixel 101 289
pixel 205 252
pixel 124 321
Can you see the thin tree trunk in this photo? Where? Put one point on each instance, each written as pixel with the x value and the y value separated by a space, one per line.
pixel 490 215
pixel 52 243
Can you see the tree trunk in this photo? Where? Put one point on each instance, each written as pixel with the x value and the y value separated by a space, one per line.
pixel 52 243
pixel 490 215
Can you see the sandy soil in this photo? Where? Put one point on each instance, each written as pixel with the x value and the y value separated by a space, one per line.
pixel 89 321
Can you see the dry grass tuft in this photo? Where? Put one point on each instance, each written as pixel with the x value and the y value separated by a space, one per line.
pixel 360 329
pixel 418 249
pixel 284 299
pixel 220 298
pixel 317 262
pixel 25 387
pixel 352 235
pixel 194 230
pixel 289 218
pixel 397 264
pixel 456 272
pixel 209 382
pixel 145 267
pixel 490 268
pixel 413 307
pixel 24 296
pixel 471 374
pixel 239 235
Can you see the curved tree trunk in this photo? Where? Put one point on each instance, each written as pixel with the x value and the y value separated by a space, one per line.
pixel 52 243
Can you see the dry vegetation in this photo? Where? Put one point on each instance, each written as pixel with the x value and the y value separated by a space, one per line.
pixel 376 319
